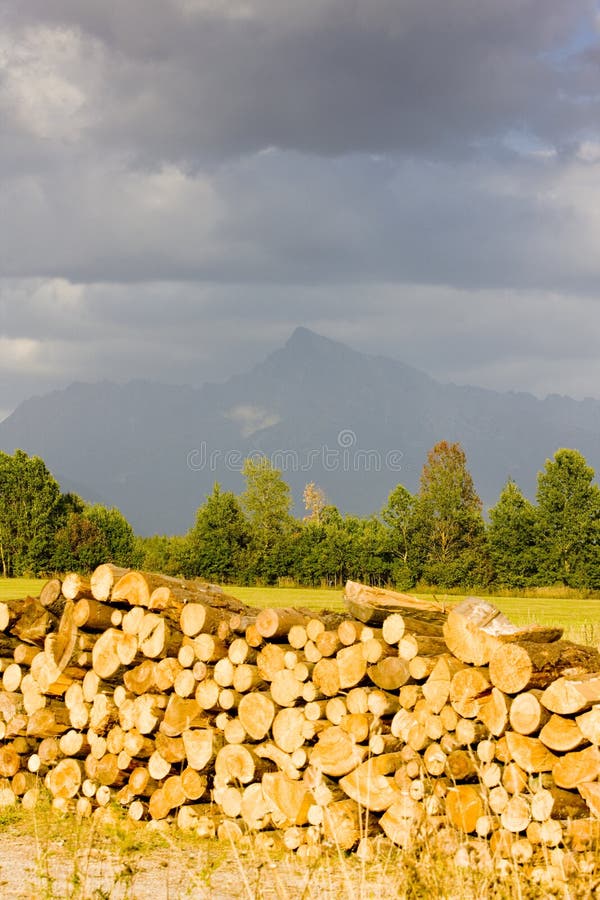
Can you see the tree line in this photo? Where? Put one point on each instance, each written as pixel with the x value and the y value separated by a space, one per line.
pixel 436 536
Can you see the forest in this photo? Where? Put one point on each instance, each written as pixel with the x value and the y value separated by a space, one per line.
pixel 438 536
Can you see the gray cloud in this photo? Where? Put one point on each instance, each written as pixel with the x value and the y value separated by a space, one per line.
pixel 287 218
pixel 184 181
pixel 191 80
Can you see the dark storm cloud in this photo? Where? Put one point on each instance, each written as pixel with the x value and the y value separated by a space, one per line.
pixel 189 80
pixel 184 181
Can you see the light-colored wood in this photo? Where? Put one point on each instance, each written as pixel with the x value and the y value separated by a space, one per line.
pixel 579 767
pixel 401 821
pixel 280 730
pixel 328 643
pixel 373 605
pixel 381 703
pixel 390 673
pixel 561 734
pixel 103 578
pixel 326 677
pixel 516 667
pixel 288 729
pixel 33 623
pixel 60 646
pixel 207 694
pixel 199 617
pixel 350 631
pixel 475 628
pixel 297 636
pixel 494 712
pixel 256 712
pixel 342 824
pixel 370 784
pixel 11 677
pixel 201 747
pixel 270 659
pixel 527 715
pixel 172 749
pixel 352 666
pixel 132 620
pixel 529 753
pixel 282 760
pixel 514 778
pixel 412 645
pixel 136 587
pixel 238 763
pixel 517 814
pixel 75 586
pixel 568 695
pixel 64 780
pixel 273 624
pixel 464 806
pixel 336 753
pixel 288 796
pixel 421 667
pixel 469 689
pixel 155 638
pixel 285 688
pixel 140 679
pixel 589 724
pixel 182 714
pixel 105 655
pixel 436 689
pixel 468 732
pixel 93 614
pixel 51 597
pixel 590 792
pixel 393 628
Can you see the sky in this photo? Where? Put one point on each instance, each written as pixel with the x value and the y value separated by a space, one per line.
pixel 183 182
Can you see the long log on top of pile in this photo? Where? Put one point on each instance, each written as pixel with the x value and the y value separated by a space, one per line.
pixel 177 701
pixel 373 605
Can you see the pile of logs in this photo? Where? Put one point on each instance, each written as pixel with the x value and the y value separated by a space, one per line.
pixel 400 716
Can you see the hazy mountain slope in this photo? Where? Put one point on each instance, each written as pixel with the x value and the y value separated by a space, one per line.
pixel 356 424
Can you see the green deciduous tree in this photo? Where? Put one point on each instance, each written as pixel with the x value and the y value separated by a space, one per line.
pixel 512 537
pixel 164 553
pixel 449 534
pixel 568 517
pixel 30 512
pixel 79 545
pixel 92 535
pixel 218 537
pixel 267 502
pixel 118 534
pixel 398 515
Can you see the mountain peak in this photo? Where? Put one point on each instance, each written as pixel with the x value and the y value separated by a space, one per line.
pixel 303 338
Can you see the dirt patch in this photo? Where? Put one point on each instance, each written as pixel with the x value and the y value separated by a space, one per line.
pixel 30 870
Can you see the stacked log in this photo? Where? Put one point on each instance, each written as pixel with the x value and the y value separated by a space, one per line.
pixel 172 698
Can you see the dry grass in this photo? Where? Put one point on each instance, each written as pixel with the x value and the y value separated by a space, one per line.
pixel 49 855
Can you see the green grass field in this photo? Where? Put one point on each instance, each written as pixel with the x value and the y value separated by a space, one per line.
pixel 579 617
pixel 15 588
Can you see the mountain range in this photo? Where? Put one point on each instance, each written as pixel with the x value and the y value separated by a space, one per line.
pixel 355 424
